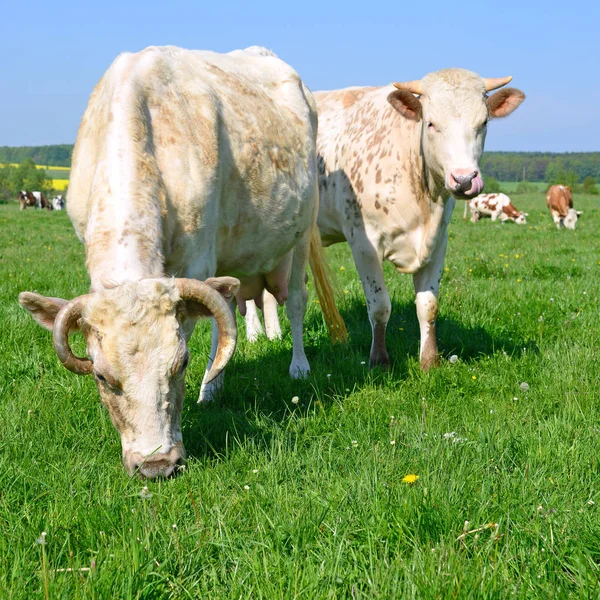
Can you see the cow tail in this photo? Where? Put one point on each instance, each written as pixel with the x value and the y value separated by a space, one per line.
pixel 322 277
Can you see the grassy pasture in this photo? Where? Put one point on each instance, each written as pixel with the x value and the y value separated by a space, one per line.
pixel 307 500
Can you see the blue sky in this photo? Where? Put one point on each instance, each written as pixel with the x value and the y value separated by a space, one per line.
pixel 53 53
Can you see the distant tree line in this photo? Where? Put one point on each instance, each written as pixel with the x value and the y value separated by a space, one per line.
pixel 542 166
pixel 58 155
pixel 580 170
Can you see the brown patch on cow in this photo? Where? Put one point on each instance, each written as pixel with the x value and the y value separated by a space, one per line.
pixel 378 175
pixel 559 199
pixel 385 210
pixel 377 204
pixel 510 211
pixel 350 97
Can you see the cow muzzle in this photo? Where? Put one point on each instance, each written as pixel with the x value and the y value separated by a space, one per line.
pixel 158 465
pixel 465 183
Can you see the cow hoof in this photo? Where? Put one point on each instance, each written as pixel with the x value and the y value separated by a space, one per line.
pixel 299 369
pixel 430 362
pixel 381 360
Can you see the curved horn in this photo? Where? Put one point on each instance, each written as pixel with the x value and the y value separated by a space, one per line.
pixel 493 83
pixel 193 289
pixel 410 86
pixel 65 320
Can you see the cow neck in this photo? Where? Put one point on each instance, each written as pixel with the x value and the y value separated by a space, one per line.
pixel 123 240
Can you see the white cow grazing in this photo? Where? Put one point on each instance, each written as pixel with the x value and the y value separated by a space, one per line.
pixel 58 202
pixel 187 165
pixel 496 206
pixel 391 164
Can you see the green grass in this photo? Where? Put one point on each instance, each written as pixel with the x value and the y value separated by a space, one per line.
pixel 510 186
pixel 327 514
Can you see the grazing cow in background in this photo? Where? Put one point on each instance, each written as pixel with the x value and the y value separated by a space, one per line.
pixel 391 164
pixel 560 202
pixel 496 206
pixel 26 199
pixel 58 202
pixel 189 167
pixel 35 199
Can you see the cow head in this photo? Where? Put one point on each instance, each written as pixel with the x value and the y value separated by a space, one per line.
pixel 136 336
pixel 521 219
pixel 571 219
pixel 454 109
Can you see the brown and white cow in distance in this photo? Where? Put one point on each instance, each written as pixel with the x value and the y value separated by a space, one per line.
pixel 391 163
pixel 560 202
pixel 35 199
pixel 495 206
pixel 189 167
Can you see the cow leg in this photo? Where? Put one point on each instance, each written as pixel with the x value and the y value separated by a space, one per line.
pixel 254 327
pixel 427 285
pixel 209 391
pixel 370 270
pixel 271 317
pixel 296 307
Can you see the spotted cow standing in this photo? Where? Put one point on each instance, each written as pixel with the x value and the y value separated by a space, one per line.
pixel 391 164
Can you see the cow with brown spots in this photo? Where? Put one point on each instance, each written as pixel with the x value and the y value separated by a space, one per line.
pixel 392 162
pixel 560 202
pixel 496 206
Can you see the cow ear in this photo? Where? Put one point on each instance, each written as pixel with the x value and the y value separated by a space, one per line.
pixel 504 101
pixel 406 104
pixel 43 309
pixel 228 287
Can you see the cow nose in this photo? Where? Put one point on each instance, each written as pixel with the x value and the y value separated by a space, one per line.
pixel 159 467
pixel 163 464
pixel 461 181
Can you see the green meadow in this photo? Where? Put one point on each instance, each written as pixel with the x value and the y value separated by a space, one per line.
pixel 309 498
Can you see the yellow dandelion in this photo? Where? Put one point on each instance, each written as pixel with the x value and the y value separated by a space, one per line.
pixel 506 265
pixel 342 269
pixel 410 478
pixel 473 377
pixel 572 260
pixel 516 256
pixel 518 281
pixel 446 269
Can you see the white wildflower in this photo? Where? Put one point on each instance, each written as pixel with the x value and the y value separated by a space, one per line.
pixel 453 359
pixel 145 493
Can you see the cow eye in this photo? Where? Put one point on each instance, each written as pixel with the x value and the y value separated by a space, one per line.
pixel 100 377
pixel 431 126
